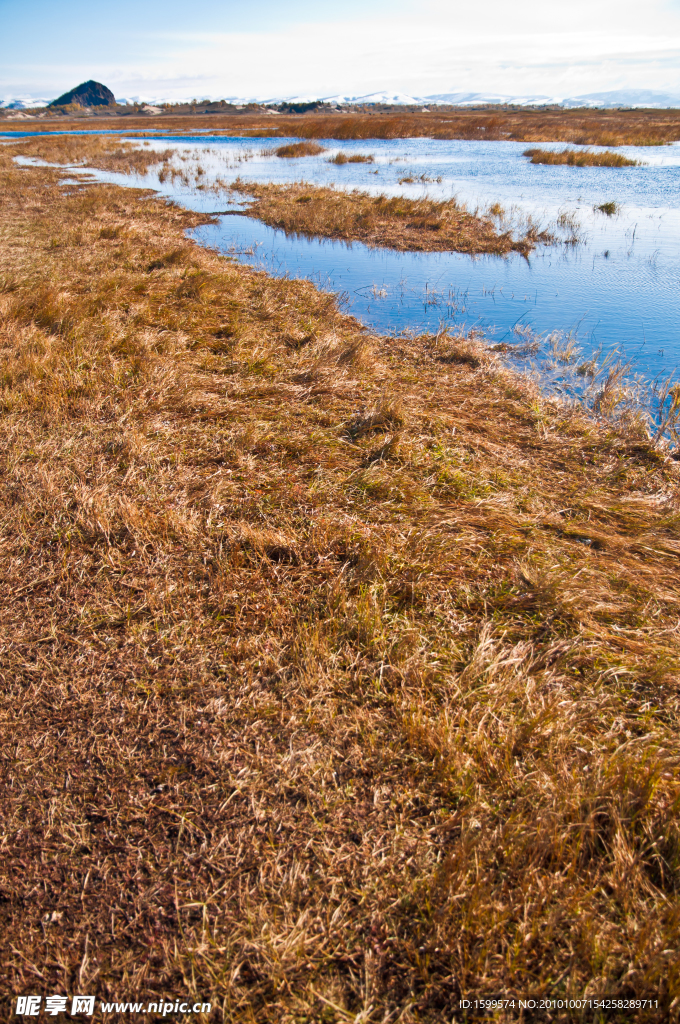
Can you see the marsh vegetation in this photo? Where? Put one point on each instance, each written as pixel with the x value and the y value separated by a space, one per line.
pixel 109 154
pixel 579 158
pixel 339 672
pixel 574 127
pixel 609 208
pixel 396 222
pixel 298 149
pixel 351 158
pixel 393 222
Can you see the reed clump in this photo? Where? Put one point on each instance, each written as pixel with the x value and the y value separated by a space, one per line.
pixel 391 222
pixel 610 208
pixel 339 673
pixel 298 149
pixel 351 158
pixel 579 158
pixel 412 179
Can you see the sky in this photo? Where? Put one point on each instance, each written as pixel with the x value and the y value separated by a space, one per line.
pixel 175 50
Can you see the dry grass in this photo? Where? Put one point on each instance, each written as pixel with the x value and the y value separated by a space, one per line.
pixel 298 149
pixel 575 127
pixel 352 158
pixel 414 179
pixel 591 128
pixel 339 674
pixel 109 154
pixel 610 208
pixel 392 222
pixel 582 158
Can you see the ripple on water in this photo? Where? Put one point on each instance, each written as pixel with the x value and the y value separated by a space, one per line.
pixel 619 288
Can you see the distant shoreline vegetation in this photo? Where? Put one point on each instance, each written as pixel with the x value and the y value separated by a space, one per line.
pixel 576 158
pixel 606 128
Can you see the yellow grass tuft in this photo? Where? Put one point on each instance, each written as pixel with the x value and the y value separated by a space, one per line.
pixel 579 158
pixel 297 149
pixel 352 158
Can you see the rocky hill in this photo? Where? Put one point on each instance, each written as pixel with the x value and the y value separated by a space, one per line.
pixel 89 94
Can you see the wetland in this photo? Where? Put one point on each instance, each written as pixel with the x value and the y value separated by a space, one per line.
pixel 340 656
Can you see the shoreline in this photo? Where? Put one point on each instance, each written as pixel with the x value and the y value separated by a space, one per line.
pixel 304 209
pixel 384 644
pixel 579 127
pixel 379 221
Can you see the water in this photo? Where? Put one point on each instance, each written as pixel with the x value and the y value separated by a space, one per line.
pixel 619 288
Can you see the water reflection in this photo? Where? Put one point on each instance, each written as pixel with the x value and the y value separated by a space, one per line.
pixel 619 288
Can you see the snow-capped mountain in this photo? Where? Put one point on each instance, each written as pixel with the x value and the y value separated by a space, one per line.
pixel 12 103
pixel 625 98
pixel 610 99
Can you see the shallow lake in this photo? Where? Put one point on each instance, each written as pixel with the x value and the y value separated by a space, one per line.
pixel 619 287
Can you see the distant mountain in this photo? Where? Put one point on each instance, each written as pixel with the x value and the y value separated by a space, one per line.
pixel 88 94
pixel 625 98
pixel 475 99
pixel 603 100
pixel 91 94
pixel 606 100
pixel 22 104
pixel 386 98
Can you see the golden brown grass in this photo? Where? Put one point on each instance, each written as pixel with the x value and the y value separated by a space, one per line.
pixel 109 154
pixel 594 128
pixel 575 127
pixel 391 222
pixel 352 158
pixel 339 674
pixel 579 158
pixel 298 149
pixel 609 208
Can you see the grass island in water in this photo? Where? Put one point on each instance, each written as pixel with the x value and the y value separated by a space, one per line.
pixel 579 158
pixel 394 222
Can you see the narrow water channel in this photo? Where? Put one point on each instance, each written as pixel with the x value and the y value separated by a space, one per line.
pixel 617 288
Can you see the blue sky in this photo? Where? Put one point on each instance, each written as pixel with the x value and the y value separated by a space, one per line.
pixel 175 49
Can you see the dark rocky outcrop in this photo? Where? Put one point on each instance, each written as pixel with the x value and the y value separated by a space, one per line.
pixel 89 94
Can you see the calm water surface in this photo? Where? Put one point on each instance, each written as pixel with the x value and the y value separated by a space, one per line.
pixel 618 288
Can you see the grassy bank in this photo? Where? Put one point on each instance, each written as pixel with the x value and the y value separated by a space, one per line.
pixel 579 158
pixel 104 152
pixel 391 222
pixel 339 674
pixel 575 127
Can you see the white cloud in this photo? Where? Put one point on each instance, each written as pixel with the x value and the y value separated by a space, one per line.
pixel 529 46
